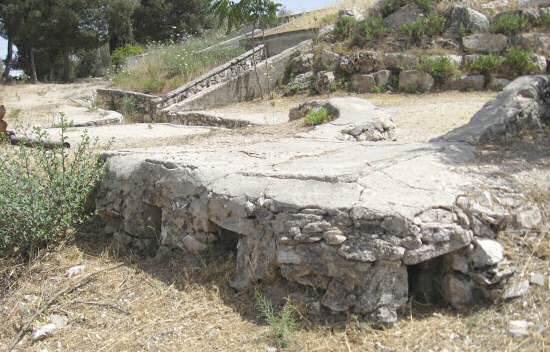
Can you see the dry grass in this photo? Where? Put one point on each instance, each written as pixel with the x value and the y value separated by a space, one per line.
pixel 320 18
pixel 187 306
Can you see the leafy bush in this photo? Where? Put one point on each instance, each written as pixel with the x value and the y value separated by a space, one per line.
pixel 43 193
pixel 545 19
pixel 510 23
pixel 317 116
pixel 519 62
pixel 344 27
pixel 368 30
pixel 121 54
pixel 441 69
pixel 390 6
pixel 486 64
pixel 283 324
pixel 168 66
pixel 432 25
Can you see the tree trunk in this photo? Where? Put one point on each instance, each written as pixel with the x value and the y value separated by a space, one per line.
pixel 9 58
pixel 34 77
pixel 66 65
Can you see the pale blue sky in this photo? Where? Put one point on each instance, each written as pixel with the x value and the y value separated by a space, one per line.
pixel 293 5
pixel 305 5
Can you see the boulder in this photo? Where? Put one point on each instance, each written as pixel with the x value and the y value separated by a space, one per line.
pixel 522 106
pixel 414 81
pixel 301 64
pixel 457 290
pixel 363 83
pixel 467 83
pixel 460 17
pixel 367 61
pixel 540 63
pixel 324 82
pixel 534 40
pixel 301 82
pixel 487 252
pixel 485 43
pixel 405 15
pixel 400 61
pixel 382 77
pixel 354 12
pixel 498 84
pixel 327 60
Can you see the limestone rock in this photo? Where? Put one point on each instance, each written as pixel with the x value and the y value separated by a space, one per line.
pixel 528 217
pixel 498 84
pixel 407 14
pixel 487 252
pixel 540 41
pixel 485 43
pixel 540 63
pixel 467 83
pixel 400 61
pixel 324 82
pixel 363 83
pixel 367 61
pixel 413 81
pixel 457 290
pixel 328 60
pixel 301 63
pixel 516 289
pixel 460 17
pixel 521 106
pixel 353 12
pixel 519 329
pixel 537 279
pixel 301 82
pixel 382 77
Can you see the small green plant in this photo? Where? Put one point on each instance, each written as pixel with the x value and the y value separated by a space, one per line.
pixel 283 324
pixel 441 68
pixel 486 65
pixel 317 116
pixel 129 107
pixel 510 23
pixel 432 25
pixel 390 6
pixel 369 30
pixel 379 90
pixel 121 54
pixel 44 192
pixel 519 62
pixel 344 27
pixel 545 19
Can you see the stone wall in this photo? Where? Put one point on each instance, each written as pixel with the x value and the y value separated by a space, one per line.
pixel 277 43
pixel 139 105
pixel 244 87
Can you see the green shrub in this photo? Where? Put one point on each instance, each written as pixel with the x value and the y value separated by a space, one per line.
pixel 121 54
pixel 368 30
pixel 431 26
pixel 486 65
pixel 317 116
pixel 344 27
pixel 510 23
pixel 390 6
pixel 283 324
pixel 519 62
pixel 545 19
pixel 43 193
pixel 441 69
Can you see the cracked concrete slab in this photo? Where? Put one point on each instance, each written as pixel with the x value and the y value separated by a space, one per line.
pixel 343 216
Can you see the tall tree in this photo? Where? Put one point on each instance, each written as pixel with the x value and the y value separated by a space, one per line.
pixel 119 21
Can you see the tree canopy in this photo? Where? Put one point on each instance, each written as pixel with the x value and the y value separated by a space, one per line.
pixel 52 34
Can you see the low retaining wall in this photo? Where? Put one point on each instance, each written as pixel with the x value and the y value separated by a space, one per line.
pixel 277 43
pixel 139 105
pixel 244 87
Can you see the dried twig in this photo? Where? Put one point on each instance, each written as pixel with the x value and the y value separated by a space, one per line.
pixel 70 288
